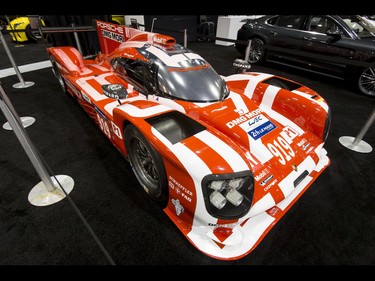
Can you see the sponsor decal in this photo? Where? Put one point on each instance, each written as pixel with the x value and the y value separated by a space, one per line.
pixel 178 207
pixel 289 134
pixel 304 147
pixel 186 69
pixel 85 97
pixel 160 40
pixel 113 36
pixel 73 88
pixel 304 144
pixel 259 126
pixel 101 113
pixel 270 185
pixel 110 36
pixel 110 27
pixel 301 142
pixel 116 130
pixel 243 118
pixel 262 174
pixel 226 225
pixel 267 179
pixel 180 189
pixel 103 125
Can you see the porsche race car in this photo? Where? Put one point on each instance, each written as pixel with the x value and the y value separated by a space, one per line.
pixel 225 157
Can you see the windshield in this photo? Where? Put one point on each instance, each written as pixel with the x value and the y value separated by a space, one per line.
pixel 194 80
pixel 360 25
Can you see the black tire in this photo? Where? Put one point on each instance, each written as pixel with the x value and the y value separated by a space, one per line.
pixel 366 81
pixel 30 34
pixel 257 51
pixel 56 72
pixel 3 25
pixel 147 165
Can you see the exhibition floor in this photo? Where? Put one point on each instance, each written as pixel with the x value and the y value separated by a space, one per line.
pixel 333 223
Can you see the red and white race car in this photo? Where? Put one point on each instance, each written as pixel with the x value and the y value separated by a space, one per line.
pixel 225 157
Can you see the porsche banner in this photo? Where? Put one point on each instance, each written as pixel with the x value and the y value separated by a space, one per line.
pixel 112 35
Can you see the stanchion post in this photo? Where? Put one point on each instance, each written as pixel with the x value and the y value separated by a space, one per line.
pixel 185 38
pixel 37 196
pixel 357 144
pixel 247 53
pixel 16 123
pixel 152 24
pixel 77 40
pixel 365 128
pixel 22 83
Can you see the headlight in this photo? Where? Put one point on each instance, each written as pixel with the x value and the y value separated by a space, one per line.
pixel 228 196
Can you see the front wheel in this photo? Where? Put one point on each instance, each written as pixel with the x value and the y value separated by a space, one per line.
pixel 257 51
pixel 366 81
pixel 147 165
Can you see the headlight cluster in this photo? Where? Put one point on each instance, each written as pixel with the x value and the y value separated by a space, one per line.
pixel 228 196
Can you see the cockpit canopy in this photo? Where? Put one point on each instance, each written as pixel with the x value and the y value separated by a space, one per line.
pixel 171 71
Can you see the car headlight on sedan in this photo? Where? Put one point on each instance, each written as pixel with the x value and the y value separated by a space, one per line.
pixel 228 196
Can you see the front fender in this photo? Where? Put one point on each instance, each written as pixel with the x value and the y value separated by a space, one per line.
pixel 302 105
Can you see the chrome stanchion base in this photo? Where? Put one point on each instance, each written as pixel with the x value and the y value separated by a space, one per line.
pixel 26 122
pixel 40 196
pixel 23 85
pixel 362 146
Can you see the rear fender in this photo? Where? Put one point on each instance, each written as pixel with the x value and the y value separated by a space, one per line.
pixel 69 60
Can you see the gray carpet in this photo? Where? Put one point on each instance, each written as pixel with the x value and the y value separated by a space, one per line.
pixel 332 224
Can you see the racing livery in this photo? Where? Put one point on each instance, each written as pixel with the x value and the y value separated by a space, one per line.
pixel 225 157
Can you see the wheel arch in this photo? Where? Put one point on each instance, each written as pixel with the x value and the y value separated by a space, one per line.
pixel 307 108
pixel 69 60
pixel 366 86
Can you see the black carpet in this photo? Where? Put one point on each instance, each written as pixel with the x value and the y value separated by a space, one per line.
pixel 333 223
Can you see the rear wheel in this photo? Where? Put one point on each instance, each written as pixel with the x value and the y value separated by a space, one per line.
pixel 147 165
pixel 30 34
pixel 56 72
pixel 366 81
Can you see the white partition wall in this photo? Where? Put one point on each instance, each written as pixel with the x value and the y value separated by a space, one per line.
pixel 227 27
pixel 140 19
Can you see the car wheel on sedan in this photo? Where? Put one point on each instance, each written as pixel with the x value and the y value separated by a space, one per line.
pixel 257 51
pixel 366 81
pixel 147 165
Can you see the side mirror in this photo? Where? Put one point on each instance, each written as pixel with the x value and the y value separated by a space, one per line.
pixel 335 33
pixel 115 91
pixel 242 65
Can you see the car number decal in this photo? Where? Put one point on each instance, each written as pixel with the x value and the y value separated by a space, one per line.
pixel 103 125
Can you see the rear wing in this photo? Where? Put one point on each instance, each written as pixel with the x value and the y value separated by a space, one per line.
pixel 111 35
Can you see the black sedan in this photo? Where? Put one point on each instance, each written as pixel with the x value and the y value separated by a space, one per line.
pixel 338 46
